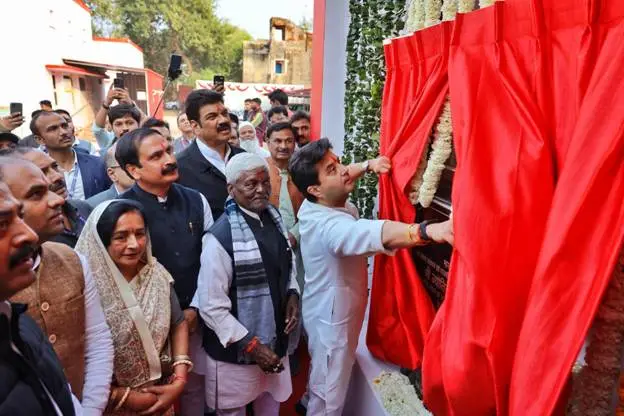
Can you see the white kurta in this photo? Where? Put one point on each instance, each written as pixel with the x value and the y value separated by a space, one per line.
pixel 335 245
pixel 228 385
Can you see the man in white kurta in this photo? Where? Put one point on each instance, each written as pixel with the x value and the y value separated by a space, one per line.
pixel 335 245
pixel 231 384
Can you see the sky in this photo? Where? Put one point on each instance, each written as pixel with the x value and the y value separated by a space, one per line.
pixel 254 15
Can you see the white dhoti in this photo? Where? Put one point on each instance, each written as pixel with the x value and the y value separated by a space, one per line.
pixel 232 386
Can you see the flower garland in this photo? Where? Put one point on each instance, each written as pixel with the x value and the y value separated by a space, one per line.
pixel 441 149
pixel 417 180
pixel 415 15
pixel 595 387
pixel 398 395
pixel 465 6
pixel 432 12
pixel 485 3
pixel 449 10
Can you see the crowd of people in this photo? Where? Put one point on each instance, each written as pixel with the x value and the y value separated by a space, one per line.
pixel 181 274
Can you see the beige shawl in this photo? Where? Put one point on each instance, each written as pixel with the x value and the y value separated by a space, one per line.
pixel 137 312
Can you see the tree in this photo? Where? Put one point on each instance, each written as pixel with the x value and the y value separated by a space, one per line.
pixel 187 27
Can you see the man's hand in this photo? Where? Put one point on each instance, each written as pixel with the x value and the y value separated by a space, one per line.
pixel 293 240
pixel 118 94
pixel 11 122
pixel 292 313
pixel 380 165
pixel 220 88
pixel 138 401
pixel 166 395
pixel 266 359
pixel 190 316
pixel 124 96
pixel 442 232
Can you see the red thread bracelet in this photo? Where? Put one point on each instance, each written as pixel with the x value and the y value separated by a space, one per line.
pixel 252 345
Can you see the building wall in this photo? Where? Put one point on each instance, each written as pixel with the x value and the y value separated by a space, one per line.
pixel 55 30
pixel 290 45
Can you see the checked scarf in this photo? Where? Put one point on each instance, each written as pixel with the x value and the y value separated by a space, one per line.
pixel 255 306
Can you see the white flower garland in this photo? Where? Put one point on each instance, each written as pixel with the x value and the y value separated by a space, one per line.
pixel 449 10
pixel 432 12
pixel 415 16
pixel 418 177
pixel 441 149
pixel 465 6
pixel 485 3
pixel 398 396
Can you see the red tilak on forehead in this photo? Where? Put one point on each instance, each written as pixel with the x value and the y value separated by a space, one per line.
pixel 163 146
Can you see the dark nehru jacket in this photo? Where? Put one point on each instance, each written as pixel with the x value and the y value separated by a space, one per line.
pixel 23 374
pixel 276 258
pixel 196 172
pixel 176 228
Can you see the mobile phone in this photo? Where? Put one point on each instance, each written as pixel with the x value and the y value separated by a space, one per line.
pixel 218 80
pixel 118 83
pixel 175 67
pixel 15 108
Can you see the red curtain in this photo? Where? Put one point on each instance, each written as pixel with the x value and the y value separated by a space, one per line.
pixel 538 115
pixel 502 190
pixel 416 86
pixel 585 227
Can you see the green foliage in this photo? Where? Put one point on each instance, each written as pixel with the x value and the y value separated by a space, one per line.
pixel 372 21
pixel 187 27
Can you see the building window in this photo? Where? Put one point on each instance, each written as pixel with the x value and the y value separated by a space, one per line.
pixel 279 33
pixel 280 67
pixel 83 84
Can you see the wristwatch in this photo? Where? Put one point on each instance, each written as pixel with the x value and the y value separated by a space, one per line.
pixel 365 166
pixel 423 231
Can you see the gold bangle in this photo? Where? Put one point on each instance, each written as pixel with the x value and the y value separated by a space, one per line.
pixel 123 399
pixel 410 233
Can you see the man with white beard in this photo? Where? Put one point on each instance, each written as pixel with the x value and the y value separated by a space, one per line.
pixel 249 141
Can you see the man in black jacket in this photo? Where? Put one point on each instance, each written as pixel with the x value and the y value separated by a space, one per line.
pixel 31 378
pixel 177 218
pixel 202 164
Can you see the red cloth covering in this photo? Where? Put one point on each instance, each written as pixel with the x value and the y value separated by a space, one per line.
pixel 585 228
pixel 538 113
pixel 416 86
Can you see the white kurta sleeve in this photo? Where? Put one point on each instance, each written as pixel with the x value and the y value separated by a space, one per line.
pixel 213 286
pixel 208 220
pixel 346 236
pixel 99 351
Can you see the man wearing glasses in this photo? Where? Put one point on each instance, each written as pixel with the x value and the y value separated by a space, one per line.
pixel 121 181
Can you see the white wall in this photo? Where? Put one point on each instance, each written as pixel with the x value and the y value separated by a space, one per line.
pixel 36 33
pixel 337 20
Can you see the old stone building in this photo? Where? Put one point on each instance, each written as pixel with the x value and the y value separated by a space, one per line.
pixel 286 58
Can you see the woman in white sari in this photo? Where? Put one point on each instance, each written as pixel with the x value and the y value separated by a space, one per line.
pixel 141 310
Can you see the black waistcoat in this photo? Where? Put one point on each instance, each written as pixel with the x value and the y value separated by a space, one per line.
pixel 276 258
pixel 199 174
pixel 21 392
pixel 176 228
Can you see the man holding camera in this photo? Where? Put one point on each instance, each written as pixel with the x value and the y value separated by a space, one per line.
pixel 129 119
